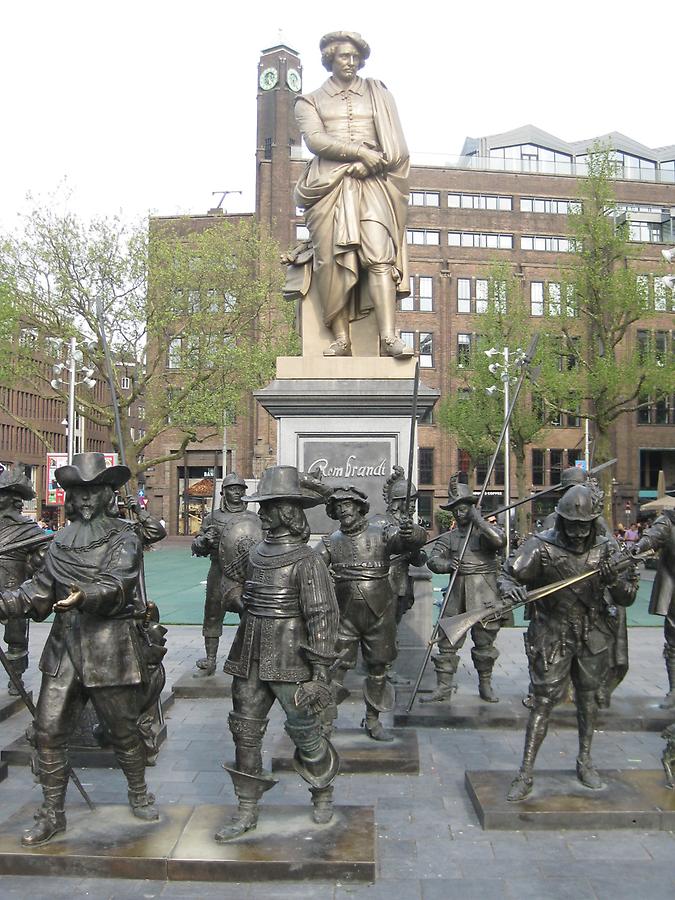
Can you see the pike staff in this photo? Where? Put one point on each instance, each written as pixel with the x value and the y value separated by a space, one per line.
pixel 525 365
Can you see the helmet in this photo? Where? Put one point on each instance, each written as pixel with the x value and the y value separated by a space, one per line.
pixel 580 504
pixel 573 475
pixel 396 487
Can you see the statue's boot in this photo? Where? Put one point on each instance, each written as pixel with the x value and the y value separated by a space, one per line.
pixel 131 761
pixel 537 726
pixel 341 345
pixel 380 697
pixel 446 666
pixel 587 712
pixel 382 292
pixel 669 655
pixel 249 789
pixel 207 664
pixel 374 728
pixel 317 762
pixel 50 819
pixel 485 690
pixel 19 664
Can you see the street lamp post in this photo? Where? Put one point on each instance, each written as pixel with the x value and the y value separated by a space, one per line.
pixel 72 364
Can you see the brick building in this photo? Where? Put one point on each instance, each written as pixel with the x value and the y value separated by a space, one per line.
pixel 505 197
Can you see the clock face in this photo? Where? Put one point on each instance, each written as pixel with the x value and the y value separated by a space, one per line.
pixel 269 78
pixel 293 80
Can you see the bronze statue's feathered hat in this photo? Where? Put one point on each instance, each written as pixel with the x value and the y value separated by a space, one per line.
pixel 459 491
pixel 14 479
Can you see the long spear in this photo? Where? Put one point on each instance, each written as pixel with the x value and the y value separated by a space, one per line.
pixel 527 360
pixel 411 448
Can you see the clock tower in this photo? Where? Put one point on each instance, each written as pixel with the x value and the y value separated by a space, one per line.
pixel 278 141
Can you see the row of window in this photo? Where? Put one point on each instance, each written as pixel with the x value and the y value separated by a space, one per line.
pixel 497 202
pixel 656 412
pixel 430 237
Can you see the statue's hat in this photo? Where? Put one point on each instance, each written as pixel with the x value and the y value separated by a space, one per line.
pixel 232 479
pixel 14 479
pixel 459 491
pixel 347 493
pixel 352 36
pixel 90 469
pixel 282 483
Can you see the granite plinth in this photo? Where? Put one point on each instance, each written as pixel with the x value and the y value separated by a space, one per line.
pixel 360 754
pixel 111 843
pixel 3 771
pixel 10 705
pixel 187 687
pixel 469 711
pixel 631 799
pixel 19 753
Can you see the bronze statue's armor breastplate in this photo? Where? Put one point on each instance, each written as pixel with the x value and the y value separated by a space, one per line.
pixel 348 116
pixel 364 555
pixel 239 531
pixel 268 590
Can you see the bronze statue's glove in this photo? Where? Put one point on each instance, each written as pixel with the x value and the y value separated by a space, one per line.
pixel 640 547
pixel 609 571
pixel 315 695
pixel 405 529
pixel 72 601
pixel 200 546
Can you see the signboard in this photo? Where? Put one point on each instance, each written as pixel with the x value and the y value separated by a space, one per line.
pixel 54 494
pixel 362 461
pixel 581 464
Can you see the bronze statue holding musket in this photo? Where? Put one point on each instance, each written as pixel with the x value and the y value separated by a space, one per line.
pixel 569 634
pixel 101 645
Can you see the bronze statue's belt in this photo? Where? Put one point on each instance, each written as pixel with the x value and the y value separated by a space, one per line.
pixel 268 600
pixel 365 571
pixel 469 568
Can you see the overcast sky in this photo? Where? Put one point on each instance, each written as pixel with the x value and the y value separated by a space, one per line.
pixel 149 105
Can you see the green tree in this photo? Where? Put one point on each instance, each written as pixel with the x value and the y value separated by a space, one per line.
pixel 474 416
pixel 605 374
pixel 195 321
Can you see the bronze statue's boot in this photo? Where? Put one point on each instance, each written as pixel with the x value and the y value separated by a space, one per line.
pixel 207 665
pixel 668 756
pixel 249 789
pixel 374 728
pixel 587 711
pixel 446 666
pixel 669 656
pixel 341 346
pixel 132 762
pixel 380 697
pixel 12 690
pixel 19 665
pixel 50 819
pixel 382 292
pixel 485 691
pixel 316 761
pixel 537 726
pixel 394 346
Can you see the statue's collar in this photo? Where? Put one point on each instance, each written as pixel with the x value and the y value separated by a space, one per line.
pixel 333 87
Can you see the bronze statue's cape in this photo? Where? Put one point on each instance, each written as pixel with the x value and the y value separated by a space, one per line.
pixel 334 204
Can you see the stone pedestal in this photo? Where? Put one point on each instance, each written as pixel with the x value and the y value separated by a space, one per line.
pixel 111 843
pixel 631 799
pixel 3 771
pixel 349 417
pixel 187 687
pixel 10 705
pixel 469 711
pixel 360 754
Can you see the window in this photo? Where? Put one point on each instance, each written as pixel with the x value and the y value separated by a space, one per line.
pixel 425 198
pixel 425 508
pixel 426 350
pixel 140 413
pixel 421 294
pixel 546 205
pixel 408 338
pixel 538 467
pixel 301 233
pixel 547 243
pixel 425 465
pixel 125 383
pixel 194 301
pixel 27 337
pixel 463 461
pixel 463 295
pixel 424 237
pixel 463 349
pixel 473 296
pixel 481 295
pixel 556 457
pixel 174 353
pixel 480 239
pixel 537 298
pixel 480 201
pixel 645 232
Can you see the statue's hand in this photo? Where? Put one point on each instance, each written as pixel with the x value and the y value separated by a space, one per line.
pixel 374 161
pixel 515 594
pixel 358 170
pixel 72 601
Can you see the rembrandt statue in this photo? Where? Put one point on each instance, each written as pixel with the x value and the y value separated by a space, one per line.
pixel 355 195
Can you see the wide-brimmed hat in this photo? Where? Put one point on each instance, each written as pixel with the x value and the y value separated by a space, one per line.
pixel 90 469
pixel 232 479
pixel 458 492
pixel 352 36
pixel 347 493
pixel 282 483
pixel 14 479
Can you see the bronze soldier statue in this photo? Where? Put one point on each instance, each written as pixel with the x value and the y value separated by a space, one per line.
pixel 359 556
pixel 475 588
pixel 661 536
pixel 225 533
pixel 283 649
pixel 97 647
pixel 569 633
pixel 17 565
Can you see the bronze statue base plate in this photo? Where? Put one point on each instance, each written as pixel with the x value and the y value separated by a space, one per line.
pixel 360 754
pixel 10 705
pixel 19 753
pixel 467 710
pixel 631 799
pixel 111 843
pixel 189 688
